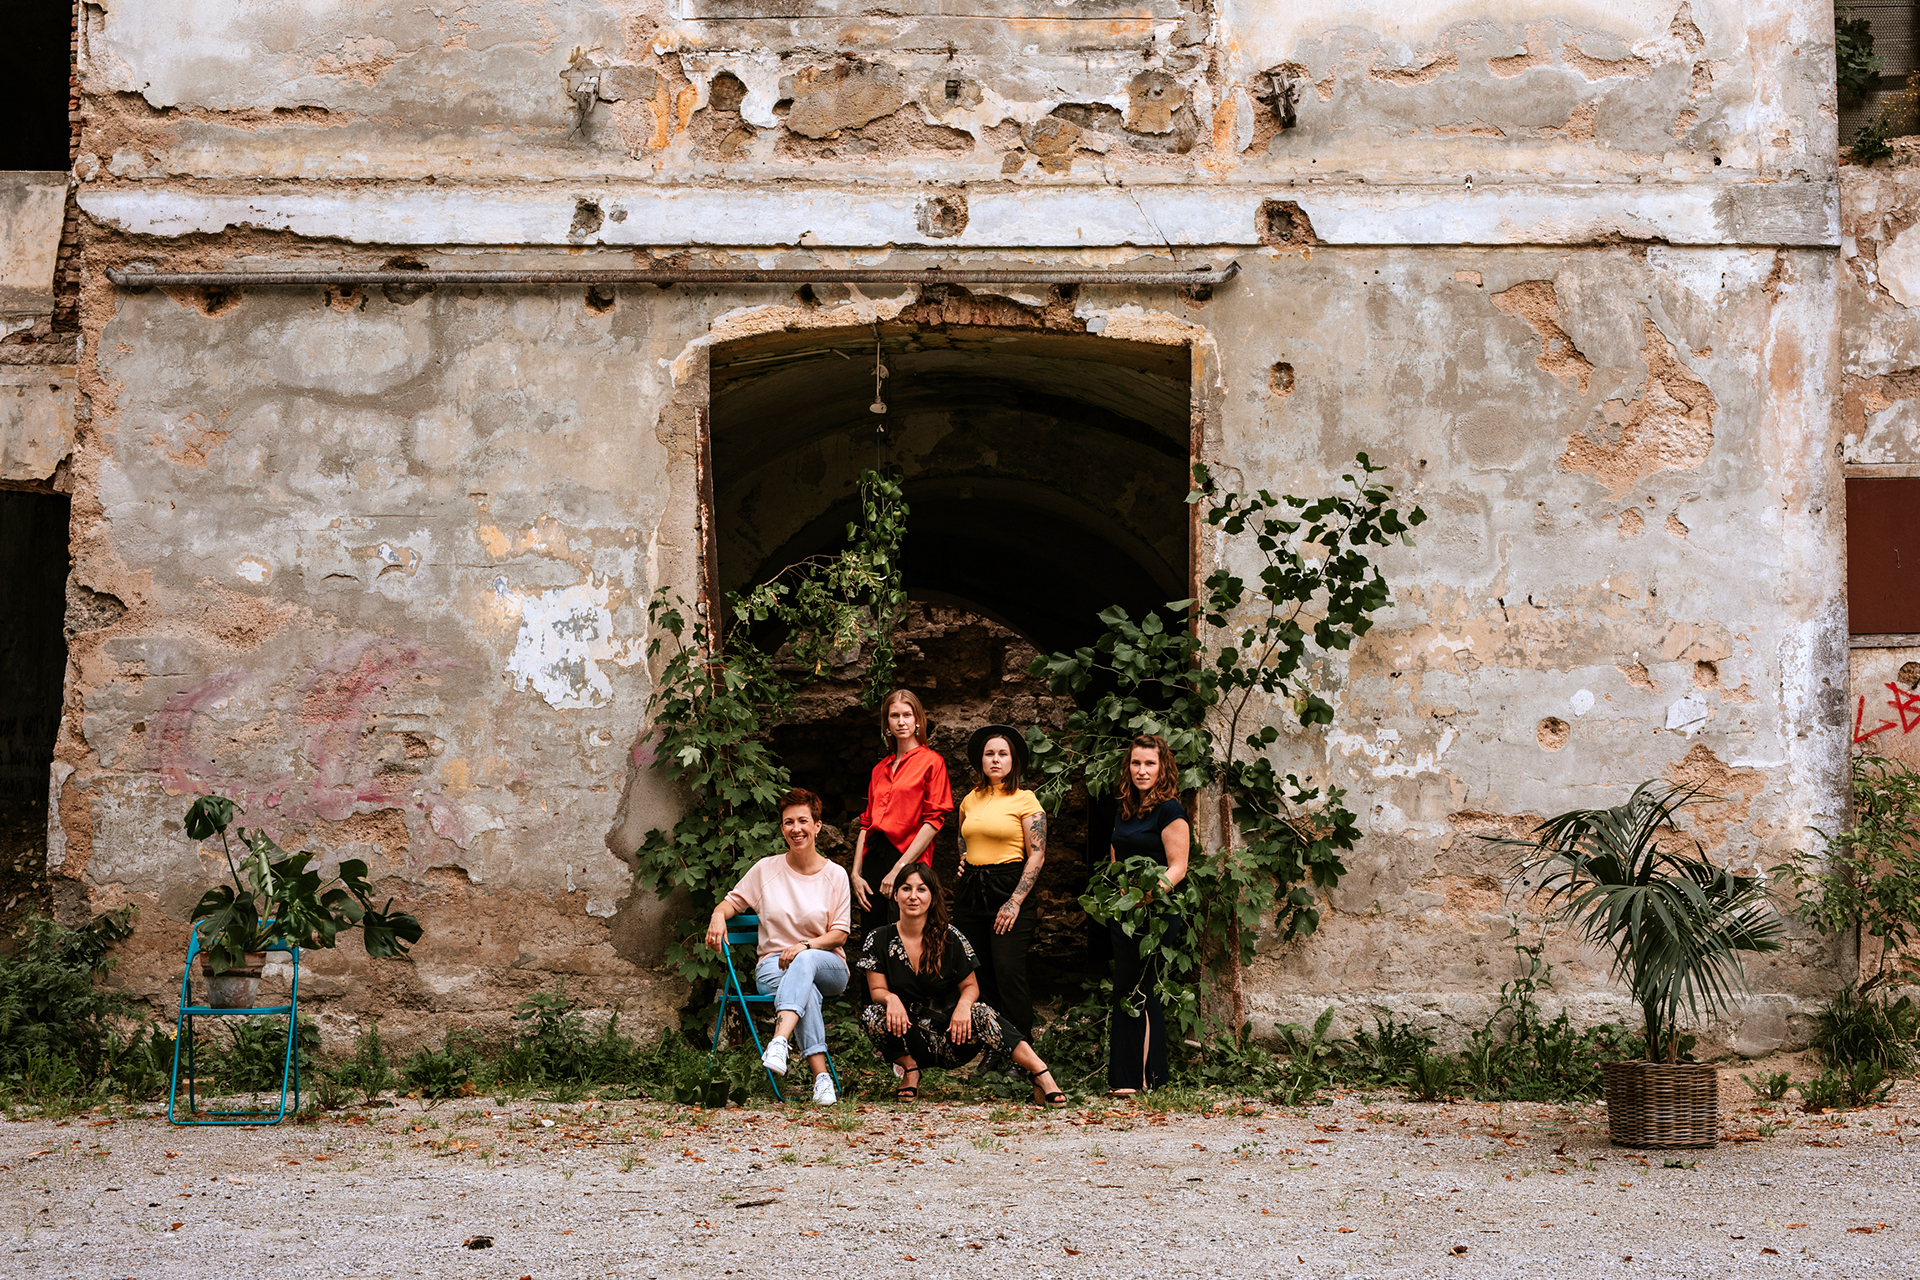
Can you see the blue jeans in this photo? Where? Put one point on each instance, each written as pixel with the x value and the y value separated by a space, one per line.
pixel 799 988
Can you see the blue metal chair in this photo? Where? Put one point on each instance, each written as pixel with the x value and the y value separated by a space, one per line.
pixel 184 1036
pixel 744 930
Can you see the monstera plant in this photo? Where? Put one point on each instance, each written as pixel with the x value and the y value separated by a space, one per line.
pixel 276 897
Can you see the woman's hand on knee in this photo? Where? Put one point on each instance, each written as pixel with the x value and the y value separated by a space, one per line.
pixel 960 1029
pixel 792 953
pixel 897 1021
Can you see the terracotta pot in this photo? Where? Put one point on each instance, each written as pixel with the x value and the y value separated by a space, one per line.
pixel 1654 1104
pixel 233 988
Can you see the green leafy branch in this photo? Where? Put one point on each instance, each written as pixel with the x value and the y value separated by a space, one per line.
pixel 717 698
pixel 1208 679
pixel 1869 876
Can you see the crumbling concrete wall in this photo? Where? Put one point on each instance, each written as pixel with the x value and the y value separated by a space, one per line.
pixel 1879 417
pixel 378 562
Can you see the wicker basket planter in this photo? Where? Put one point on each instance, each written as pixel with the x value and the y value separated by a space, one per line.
pixel 1655 1104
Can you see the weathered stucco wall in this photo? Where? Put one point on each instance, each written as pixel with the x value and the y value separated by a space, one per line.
pixel 1879 417
pixel 384 556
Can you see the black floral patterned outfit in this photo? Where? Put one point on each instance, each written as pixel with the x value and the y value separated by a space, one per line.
pixel 930 1000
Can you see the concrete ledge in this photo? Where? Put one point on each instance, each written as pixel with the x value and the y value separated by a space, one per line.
pixel 1778 214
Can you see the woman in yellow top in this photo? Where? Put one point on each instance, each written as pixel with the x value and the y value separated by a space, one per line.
pixel 1003 845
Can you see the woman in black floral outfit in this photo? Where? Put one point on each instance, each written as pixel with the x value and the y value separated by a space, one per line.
pixel 926 1009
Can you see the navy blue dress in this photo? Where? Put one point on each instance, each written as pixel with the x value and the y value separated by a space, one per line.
pixel 1137 1046
pixel 1140 837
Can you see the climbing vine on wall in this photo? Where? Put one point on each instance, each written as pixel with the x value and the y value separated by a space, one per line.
pixel 1205 681
pixel 715 701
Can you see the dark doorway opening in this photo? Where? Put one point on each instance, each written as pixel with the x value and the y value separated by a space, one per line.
pixel 1046 469
pixel 36 66
pixel 33 664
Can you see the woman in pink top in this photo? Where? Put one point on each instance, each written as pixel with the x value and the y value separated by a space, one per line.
pixel 805 906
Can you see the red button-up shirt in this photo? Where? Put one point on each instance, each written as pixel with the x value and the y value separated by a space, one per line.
pixel 902 800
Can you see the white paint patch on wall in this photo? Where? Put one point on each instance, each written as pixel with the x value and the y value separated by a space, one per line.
pixel 1900 267
pixel 565 634
pixel 1689 715
pixel 1384 747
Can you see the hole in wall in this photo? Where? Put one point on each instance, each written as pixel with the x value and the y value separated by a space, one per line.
pixel 587 219
pixel 1283 224
pixel 601 299
pixel 1280 379
pixel 1553 733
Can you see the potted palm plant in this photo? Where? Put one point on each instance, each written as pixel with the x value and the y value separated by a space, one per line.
pixel 275 897
pixel 1676 924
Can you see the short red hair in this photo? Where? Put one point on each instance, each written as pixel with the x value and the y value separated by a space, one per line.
pixel 801 796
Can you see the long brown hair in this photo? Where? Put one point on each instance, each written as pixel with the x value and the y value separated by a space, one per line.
pixel 933 934
pixel 921 729
pixel 1165 787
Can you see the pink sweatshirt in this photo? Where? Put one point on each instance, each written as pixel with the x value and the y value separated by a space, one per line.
pixel 793 907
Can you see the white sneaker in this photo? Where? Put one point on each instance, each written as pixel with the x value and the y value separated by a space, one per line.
pixel 823 1093
pixel 775 1057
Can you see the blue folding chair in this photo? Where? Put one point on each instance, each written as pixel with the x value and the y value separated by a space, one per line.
pixel 184 1036
pixel 744 930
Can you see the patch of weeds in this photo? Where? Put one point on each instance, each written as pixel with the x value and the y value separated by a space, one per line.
pixel 1306 1071
pixel 256 1055
pixel 1387 1055
pixel 1856 1027
pixel 1519 1054
pixel 368 1070
pixel 1825 1091
pixel 57 1022
pixel 1771 1087
pixel 1432 1076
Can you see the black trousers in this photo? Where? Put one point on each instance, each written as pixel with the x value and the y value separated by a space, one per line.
pixel 1002 956
pixel 1137 1044
pixel 881 855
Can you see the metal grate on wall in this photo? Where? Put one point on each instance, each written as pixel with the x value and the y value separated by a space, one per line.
pixel 1895 35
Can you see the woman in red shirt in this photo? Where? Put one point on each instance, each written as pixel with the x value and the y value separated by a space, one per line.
pixel 908 798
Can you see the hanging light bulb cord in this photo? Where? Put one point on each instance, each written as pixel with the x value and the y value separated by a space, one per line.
pixel 879 405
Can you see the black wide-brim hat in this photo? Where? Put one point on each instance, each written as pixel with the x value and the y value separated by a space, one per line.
pixel 977 745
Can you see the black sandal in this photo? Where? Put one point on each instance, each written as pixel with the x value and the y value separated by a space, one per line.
pixel 1054 1099
pixel 907 1092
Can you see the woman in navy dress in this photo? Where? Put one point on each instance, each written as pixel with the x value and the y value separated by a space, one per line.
pixel 1151 823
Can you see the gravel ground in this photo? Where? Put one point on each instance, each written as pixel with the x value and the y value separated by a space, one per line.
pixel 1366 1186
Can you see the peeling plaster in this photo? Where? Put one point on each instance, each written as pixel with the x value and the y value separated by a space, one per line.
pixel 565 634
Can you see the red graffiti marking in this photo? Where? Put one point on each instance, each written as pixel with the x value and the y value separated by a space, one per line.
pixel 1905 704
pixel 180 765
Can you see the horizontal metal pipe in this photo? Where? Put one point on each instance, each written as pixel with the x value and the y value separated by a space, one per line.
pixel 136 278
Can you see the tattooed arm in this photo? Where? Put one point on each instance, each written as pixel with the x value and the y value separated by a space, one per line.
pixel 1034 827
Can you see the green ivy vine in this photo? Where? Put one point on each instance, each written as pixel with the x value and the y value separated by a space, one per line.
pixel 717 696
pixel 1204 681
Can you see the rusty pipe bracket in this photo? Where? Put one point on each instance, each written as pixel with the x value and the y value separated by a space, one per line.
pixel 1202 282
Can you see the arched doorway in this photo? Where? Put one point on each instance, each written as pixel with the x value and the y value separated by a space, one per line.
pixel 1047 470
